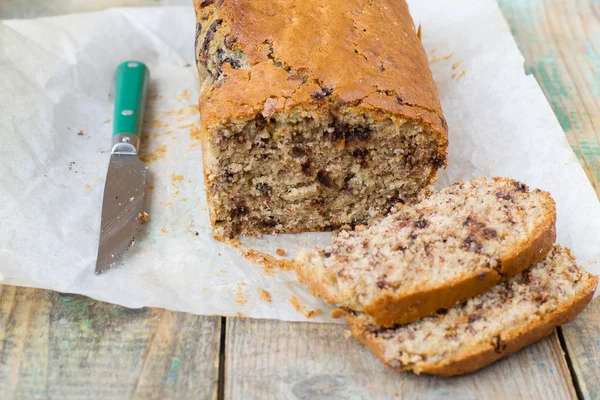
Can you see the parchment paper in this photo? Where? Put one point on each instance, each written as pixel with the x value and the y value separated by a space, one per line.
pixel 56 85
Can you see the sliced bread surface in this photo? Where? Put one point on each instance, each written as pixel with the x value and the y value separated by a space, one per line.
pixel 452 246
pixel 469 336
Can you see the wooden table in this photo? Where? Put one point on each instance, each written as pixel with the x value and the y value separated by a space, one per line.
pixel 70 347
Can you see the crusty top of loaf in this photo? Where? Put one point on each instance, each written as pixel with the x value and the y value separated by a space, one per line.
pixel 330 56
pixel 518 304
pixel 466 229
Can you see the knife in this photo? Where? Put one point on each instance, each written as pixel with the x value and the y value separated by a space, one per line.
pixel 125 187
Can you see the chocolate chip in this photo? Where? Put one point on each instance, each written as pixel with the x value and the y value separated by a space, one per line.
pixel 339 130
pixel 268 223
pixel 444 124
pixel 206 3
pixel 360 153
pixel 381 284
pixel 322 94
pixel 399 100
pixel 210 34
pixel 298 151
pixel 324 178
pixel 520 187
pixel 235 64
pixel 500 345
pixel 442 311
pixel 421 223
pixel 327 254
pixel 229 176
pixel 400 248
pixel 412 236
pixel 481 276
pixel 468 221
pixel 438 161
pixel 502 195
pixel 239 211
pixel 490 233
pixel 471 244
pixel 198 32
pixel 263 188
pixel 473 318
pixel 357 134
pixel 229 41
pixel 306 168
pixel 381 68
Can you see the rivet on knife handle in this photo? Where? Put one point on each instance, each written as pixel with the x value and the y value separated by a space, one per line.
pixel 130 100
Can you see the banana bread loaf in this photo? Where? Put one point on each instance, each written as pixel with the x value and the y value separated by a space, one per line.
pixel 315 114
pixel 469 336
pixel 452 246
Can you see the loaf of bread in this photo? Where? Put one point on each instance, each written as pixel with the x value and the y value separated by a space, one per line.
pixel 314 114
pixel 469 336
pixel 454 245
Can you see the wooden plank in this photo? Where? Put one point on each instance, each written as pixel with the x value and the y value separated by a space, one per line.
pixel 71 347
pixel 278 360
pixel 560 40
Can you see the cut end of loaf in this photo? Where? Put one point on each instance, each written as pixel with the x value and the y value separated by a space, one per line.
pixel 486 328
pixel 307 172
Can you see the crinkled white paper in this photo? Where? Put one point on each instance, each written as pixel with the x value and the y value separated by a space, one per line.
pixel 56 85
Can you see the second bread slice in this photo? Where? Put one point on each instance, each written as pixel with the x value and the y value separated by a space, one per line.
pixel 455 245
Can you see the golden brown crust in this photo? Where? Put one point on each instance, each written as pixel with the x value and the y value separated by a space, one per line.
pixel 375 41
pixel 484 354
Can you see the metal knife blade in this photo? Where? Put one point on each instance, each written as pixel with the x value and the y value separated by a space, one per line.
pixel 125 188
pixel 122 208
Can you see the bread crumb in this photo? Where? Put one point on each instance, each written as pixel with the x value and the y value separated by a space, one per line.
pixel 163 230
pixel 347 334
pixel 177 178
pixel 265 296
pixel 440 58
pixel 240 298
pixel 270 263
pixel 301 308
pixel 240 315
pixel 143 216
pixel 86 186
pixel 184 96
pixel 80 133
pixel 456 64
pixel 280 252
pixel 195 135
pixel 107 120
pixel 156 155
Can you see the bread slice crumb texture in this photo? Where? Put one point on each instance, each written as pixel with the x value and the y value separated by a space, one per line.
pixel 467 236
pixel 488 327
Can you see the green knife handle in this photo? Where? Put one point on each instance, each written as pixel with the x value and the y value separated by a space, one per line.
pixel 130 99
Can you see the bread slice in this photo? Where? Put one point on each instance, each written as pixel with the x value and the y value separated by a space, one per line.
pixel 472 335
pixel 452 246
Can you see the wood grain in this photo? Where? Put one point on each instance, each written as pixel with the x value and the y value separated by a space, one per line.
pixel 71 347
pixel 560 40
pixel 268 359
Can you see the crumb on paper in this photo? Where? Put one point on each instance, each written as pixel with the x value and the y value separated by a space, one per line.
pixel 232 242
pixel 87 186
pixel 184 96
pixel 177 178
pixel 435 59
pixel 301 308
pixel 167 204
pixel 240 298
pixel 195 134
pixel 593 262
pixel 269 263
pixel 265 296
pixel 205 289
pixel 240 315
pixel 457 77
pixel 156 155
pixel 107 120
pixel 151 187
pixel 347 334
pixel 143 217
pixel 187 111
pixel 221 271
pixel 163 230
pixel 157 123
pixel 196 233
pixel 457 64
pixel 80 133
pixel 280 252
